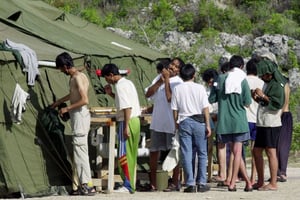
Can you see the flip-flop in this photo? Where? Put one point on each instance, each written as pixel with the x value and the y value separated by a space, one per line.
pixel 281 179
pixel 256 187
pixel 217 179
pixel 267 189
pixel 222 184
pixel 74 192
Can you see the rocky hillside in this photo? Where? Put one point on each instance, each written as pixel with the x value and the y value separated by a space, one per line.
pixel 286 49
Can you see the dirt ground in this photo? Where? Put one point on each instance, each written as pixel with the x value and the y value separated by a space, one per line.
pixel 288 190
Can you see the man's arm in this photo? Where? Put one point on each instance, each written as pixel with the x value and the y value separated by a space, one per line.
pixel 127 113
pixel 207 121
pixel 108 91
pixel 152 89
pixel 60 101
pixel 168 91
pixel 175 116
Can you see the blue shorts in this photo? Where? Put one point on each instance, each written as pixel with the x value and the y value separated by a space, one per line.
pixel 252 130
pixel 234 137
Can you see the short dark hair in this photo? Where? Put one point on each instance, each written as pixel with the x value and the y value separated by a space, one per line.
pixel 187 72
pixel 181 62
pixel 251 66
pixel 163 63
pixel 64 59
pixel 225 67
pixel 110 68
pixel 209 74
pixel 236 61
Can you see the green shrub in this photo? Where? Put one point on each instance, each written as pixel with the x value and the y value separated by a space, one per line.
pixel 109 20
pixel 292 60
pixel 294 106
pixel 237 50
pixel 228 20
pixel 294 102
pixel 208 15
pixel 280 24
pixel 185 21
pixel 296 138
pixel 238 23
pixel 91 15
pixel 210 33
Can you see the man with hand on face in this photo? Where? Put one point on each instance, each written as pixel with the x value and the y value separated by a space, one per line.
pixel 162 125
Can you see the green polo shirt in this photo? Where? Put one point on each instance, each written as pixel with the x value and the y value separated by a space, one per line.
pixel 232 116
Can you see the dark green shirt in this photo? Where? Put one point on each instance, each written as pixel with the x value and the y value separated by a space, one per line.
pixel 232 116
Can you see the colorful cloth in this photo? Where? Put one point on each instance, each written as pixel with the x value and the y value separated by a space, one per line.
pixel 127 152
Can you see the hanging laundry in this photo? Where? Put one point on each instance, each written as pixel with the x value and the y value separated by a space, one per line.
pixel 29 58
pixel 18 104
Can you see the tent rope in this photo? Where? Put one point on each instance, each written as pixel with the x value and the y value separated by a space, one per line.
pixel 58 160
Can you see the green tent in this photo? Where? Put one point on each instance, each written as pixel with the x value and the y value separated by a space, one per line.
pixel 31 163
pixel 69 32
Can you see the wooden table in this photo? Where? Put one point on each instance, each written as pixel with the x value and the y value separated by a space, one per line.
pixel 106 117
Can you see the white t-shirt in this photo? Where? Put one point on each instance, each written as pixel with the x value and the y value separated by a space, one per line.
pixel 162 115
pixel 253 82
pixel 126 97
pixel 189 98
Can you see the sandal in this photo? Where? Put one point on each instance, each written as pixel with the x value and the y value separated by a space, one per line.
pixel 222 184
pixel 281 179
pixel 147 188
pixel 86 190
pixel 171 188
pixel 74 192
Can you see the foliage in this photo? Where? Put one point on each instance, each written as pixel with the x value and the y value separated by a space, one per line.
pixel 109 20
pixel 236 50
pixel 185 21
pixel 91 15
pixel 292 60
pixel 280 24
pixel 227 20
pixel 294 107
pixel 296 138
pixel 294 102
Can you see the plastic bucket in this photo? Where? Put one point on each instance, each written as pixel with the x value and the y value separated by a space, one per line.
pixel 161 180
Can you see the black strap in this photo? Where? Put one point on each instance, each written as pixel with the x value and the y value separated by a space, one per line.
pixel 199 118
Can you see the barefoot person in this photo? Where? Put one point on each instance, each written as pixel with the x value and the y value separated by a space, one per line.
pixel 271 100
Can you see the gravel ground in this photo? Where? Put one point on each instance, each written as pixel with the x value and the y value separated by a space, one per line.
pixel 288 190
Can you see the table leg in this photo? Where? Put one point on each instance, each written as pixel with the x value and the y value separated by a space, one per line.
pixel 111 157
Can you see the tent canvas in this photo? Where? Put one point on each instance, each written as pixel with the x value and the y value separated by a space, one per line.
pixel 26 164
pixel 76 35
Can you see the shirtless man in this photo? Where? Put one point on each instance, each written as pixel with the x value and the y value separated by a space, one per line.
pixel 80 123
